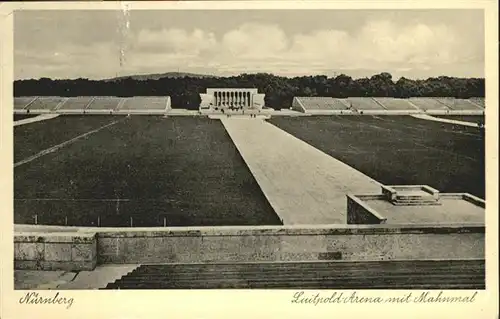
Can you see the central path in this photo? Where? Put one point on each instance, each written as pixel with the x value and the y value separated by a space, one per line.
pixel 302 184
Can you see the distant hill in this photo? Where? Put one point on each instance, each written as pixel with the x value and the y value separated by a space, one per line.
pixel 156 76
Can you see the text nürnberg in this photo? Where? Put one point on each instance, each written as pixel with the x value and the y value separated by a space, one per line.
pixel 34 298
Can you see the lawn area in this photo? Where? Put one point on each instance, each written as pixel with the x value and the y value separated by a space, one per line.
pixel 399 149
pixel 29 139
pixel 185 169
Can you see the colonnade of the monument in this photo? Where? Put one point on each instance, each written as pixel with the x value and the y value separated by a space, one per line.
pixel 233 98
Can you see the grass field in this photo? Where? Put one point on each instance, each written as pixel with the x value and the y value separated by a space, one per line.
pixel 35 137
pixel 184 169
pixel 18 117
pixel 466 118
pixel 399 149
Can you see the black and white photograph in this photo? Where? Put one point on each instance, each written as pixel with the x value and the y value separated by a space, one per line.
pixel 273 149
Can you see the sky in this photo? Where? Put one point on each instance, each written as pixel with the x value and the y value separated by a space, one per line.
pixel 103 44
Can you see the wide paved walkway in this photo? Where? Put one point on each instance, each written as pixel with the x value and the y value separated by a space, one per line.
pixel 438 119
pixel 41 117
pixel 302 184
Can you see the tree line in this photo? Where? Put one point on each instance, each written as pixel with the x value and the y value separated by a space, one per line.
pixel 184 92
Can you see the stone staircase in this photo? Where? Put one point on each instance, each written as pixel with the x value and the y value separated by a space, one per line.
pixel 411 195
pixel 402 200
pixel 407 274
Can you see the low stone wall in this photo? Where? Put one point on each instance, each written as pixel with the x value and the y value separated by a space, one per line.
pixel 69 251
pixel 77 249
pixel 467 197
pixel 358 213
pixel 281 243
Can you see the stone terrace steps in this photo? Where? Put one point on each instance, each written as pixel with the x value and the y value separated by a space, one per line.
pixel 415 200
pixel 446 274
pixel 415 203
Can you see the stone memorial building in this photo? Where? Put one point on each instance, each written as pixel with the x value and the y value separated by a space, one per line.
pixel 232 98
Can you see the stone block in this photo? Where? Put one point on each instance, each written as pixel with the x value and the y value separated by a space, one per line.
pixel 81 252
pixel 57 252
pixel 301 244
pixel 184 249
pixel 30 251
pixel 108 250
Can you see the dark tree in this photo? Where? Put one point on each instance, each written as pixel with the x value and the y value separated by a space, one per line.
pixel 184 91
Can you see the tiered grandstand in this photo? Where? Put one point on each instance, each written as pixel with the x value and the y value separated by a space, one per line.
pixel 104 103
pixel 478 101
pixel 395 104
pixel 89 105
pixel 387 105
pixel 321 103
pixel 77 103
pixel 45 104
pixel 313 105
pixel 156 103
pixel 20 103
pixel 364 103
pixel 459 104
pixel 426 104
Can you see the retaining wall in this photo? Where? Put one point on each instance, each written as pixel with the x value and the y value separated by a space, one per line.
pixel 69 251
pixel 80 251
pixel 354 243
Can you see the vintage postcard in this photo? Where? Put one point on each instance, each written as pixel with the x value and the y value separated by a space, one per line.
pixel 207 159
